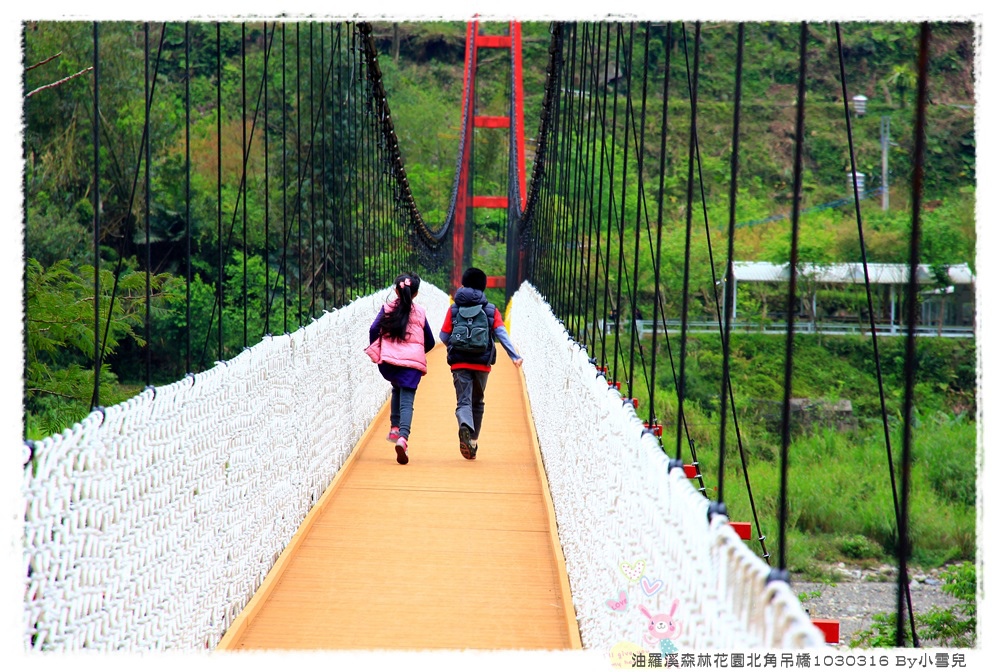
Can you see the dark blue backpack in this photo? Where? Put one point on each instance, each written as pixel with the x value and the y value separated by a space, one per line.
pixel 472 330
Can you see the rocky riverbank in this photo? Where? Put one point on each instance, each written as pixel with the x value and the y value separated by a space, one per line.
pixel 860 593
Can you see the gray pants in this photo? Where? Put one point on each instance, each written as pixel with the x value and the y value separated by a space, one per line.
pixel 470 388
pixel 401 409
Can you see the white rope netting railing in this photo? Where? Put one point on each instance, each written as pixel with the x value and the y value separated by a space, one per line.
pixel 150 525
pixel 634 535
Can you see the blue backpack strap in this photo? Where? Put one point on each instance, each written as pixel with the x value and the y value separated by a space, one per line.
pixel 491 314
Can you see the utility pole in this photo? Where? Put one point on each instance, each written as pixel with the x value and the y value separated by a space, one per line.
pixel 884 137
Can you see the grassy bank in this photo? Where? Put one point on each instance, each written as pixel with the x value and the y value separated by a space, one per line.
pixel 841 502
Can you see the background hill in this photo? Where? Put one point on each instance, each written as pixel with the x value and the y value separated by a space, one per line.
pixel 422 67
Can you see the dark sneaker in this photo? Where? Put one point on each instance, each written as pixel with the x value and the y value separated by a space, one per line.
pixel 474 445
pixel 393 435
pixel 465 443
pixel 401 456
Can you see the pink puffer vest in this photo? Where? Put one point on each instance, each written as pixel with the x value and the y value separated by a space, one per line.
pixel 410 352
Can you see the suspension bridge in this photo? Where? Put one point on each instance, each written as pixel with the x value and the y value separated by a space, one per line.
pixel 253 503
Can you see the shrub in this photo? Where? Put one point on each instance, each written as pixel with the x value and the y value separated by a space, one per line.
pixel 954 626
pixel 859 547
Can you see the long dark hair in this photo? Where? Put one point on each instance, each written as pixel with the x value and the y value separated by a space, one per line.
pixel 394 322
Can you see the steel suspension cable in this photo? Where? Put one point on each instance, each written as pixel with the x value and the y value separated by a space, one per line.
pixel 659 223
pixel 131 202
pixel 309 161
pixel 298 165
pixel 620 214
pixel 187 193
pixel 793 264
pixel 284 187
pixel 871 309
pixel 728 382
pixel 148 196
pixel 687 237
pixel 623 274
pixel 243 127
pixel 912 296
pixel 590 142
pixel 218 158
pixel 570 190
pixel 529 233
pixel 600 204
pixel 630 288
pixel 96 189
pixel 730 288
pixel 576 278
pixel 565 142
pixel 367 190
pixel 267 189
pixel 611 172
pixel 371 225
pixel 355 194
pixel 585 186
pixel 323 164
pixel 653 420
pixel 729 295
pixel 590 337
pixel 338 186
pixel 241 191
pixel 554 178
pixel 312 182
pixel 659 301
pixel 640 155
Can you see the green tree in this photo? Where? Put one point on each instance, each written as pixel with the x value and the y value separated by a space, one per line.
pixel 59 339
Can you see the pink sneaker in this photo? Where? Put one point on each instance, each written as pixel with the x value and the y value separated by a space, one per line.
pixel 393 435
pixel 401 450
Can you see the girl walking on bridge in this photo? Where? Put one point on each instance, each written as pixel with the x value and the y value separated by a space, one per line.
pixel 404 338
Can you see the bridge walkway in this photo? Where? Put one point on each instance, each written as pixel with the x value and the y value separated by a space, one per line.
pixel 441 553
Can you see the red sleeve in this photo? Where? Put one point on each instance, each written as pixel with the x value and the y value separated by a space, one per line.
pixel 497 318
pixel 446 327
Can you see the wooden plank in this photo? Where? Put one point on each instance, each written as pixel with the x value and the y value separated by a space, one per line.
pixel 273 578
pixel 566 594
pixel 443 552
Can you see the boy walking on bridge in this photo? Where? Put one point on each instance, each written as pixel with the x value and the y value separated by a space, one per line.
pixel 469 328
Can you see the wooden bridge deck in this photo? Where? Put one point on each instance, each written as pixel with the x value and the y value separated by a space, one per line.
pixel 441 553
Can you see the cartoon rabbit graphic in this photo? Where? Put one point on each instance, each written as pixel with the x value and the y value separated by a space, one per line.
pixel 662 628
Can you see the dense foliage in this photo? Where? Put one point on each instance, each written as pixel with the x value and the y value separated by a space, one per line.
pixel 239 221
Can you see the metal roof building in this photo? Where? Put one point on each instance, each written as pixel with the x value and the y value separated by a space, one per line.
pixel 845 274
